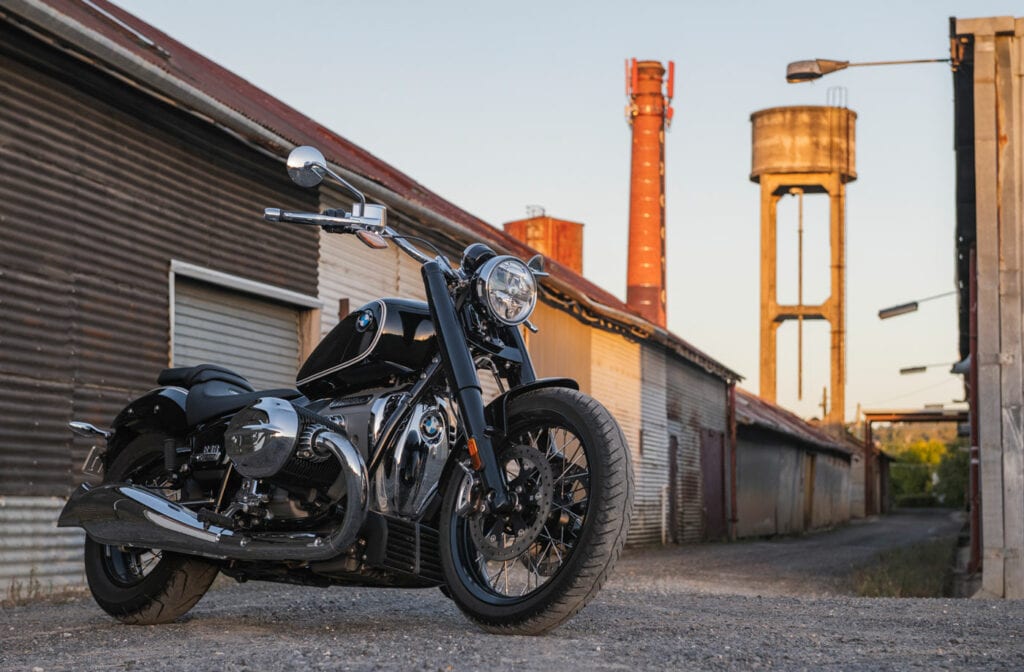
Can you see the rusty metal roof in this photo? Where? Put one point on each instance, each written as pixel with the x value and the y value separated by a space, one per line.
pixel 101 21
pixel 752 410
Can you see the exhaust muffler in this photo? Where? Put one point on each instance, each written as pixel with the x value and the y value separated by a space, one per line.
pixel 122 514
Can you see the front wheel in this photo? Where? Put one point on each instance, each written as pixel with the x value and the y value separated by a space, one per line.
pixel 568 471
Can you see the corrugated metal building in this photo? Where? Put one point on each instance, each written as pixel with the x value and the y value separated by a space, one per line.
pixel 131 224
pixel 126 224
pixel 792 477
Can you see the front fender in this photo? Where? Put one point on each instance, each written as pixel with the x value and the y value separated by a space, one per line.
pixel 497 411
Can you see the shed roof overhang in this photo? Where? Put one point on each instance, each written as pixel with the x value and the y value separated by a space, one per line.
pixel 753 411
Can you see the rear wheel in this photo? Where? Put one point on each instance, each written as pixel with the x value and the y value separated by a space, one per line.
pixel 568 471
pixel 144 586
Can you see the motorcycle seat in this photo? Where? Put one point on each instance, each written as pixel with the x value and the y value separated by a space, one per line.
pixel 189 376
pixel 213 398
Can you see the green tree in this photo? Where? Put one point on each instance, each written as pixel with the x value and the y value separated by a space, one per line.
pixel 910 480
pixel 911 475
pixel 925 451
pixel 952 471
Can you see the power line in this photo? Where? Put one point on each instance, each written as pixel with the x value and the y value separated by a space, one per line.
pixel 905 394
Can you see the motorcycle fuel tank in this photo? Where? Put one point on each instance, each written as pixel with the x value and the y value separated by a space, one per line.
pixel 384 339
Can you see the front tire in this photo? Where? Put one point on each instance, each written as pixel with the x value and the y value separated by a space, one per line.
pixel 143 586
pixel 568 464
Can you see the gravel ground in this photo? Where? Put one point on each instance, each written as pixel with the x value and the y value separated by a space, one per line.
pixel 748 605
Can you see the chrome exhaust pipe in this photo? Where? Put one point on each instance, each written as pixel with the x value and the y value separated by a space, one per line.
pixel 121 514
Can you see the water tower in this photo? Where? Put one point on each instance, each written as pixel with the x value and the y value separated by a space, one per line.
pixel 797 151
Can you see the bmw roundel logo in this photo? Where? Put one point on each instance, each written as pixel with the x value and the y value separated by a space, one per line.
pixel 364 321
pixel 431 426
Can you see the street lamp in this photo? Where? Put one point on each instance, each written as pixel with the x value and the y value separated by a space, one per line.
pixel 904 308
pixel 807 71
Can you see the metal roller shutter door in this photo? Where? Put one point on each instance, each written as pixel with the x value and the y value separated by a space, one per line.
pixel 256 338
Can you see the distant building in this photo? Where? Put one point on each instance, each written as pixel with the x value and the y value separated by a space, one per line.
pixel 792 477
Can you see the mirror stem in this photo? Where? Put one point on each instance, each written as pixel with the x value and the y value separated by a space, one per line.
pixel 345 183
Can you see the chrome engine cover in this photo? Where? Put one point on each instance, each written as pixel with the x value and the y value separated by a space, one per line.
pixel 409 475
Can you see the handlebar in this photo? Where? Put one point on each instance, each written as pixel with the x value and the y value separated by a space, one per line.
pixel 347 225
pixel 310 218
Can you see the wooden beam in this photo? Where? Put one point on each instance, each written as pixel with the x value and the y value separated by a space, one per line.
pixel 989 390
pixel 1010 354
pixel 309 333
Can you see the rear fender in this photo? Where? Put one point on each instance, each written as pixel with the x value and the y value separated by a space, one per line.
pixel 159 411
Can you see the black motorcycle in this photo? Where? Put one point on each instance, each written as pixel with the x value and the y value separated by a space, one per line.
pixel 384 468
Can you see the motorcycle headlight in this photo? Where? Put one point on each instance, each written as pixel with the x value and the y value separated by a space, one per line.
pixel 508 289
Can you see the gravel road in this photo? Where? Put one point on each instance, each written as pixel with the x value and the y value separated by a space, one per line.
pixel 778 604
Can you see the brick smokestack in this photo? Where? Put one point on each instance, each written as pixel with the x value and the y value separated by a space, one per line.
pixel 649 113
pixel 557 239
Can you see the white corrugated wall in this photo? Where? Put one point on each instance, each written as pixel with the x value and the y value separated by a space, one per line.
pixel 350 270
pixel 651 469
pixel 615 381
pixel 561 347
pixel 29 568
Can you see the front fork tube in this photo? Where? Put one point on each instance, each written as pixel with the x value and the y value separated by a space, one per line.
pixel 465 383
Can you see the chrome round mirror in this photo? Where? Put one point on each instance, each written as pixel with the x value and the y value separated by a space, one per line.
pixel 306 166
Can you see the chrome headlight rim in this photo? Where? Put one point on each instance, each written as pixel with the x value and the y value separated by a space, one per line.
pixel 483 287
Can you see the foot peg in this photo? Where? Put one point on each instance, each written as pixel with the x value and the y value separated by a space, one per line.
pixel 208 518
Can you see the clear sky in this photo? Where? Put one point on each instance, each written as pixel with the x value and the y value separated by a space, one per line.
pixel 499 105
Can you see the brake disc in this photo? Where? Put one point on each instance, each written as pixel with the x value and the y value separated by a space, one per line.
pixel 531 486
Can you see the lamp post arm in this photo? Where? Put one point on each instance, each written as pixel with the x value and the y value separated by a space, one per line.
pixel 937 296
pixel 910 62
pixel 808 71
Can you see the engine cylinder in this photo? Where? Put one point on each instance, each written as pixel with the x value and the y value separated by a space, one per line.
pixel 276 441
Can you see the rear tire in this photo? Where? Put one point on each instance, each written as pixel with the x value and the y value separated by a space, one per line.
pixel 582 529
pixel 139 586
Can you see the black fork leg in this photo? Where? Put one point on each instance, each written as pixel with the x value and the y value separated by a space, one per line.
pixel 465 383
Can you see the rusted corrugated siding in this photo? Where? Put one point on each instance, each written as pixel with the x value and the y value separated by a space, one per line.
pixel 102 188
pixel 857 487
pixel 696 400
pixel 770 486
pixel 757 491
pixel 831 491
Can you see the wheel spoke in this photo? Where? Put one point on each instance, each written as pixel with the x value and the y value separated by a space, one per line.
pixel 561 471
